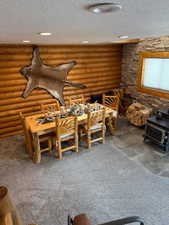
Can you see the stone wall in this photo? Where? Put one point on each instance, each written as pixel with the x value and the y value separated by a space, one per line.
pixel 130 68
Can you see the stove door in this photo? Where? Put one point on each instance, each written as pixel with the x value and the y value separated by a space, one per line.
pixel 155 133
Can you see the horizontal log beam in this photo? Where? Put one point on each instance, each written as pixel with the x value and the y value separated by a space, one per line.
pixel 78 75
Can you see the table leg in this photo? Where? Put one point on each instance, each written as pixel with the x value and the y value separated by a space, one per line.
pixel 28 140
pixel 37 153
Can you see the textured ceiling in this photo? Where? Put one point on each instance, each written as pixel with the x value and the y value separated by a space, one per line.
pixel 70 23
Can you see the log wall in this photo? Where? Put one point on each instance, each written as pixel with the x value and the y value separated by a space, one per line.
pixel 98 67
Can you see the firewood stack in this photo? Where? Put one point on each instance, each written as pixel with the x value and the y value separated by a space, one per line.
pixel 138 114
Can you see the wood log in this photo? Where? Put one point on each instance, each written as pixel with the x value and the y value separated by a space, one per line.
pixel 34 108
pixel 73 75
pixel 15 70
pixel 9 101
pixel 93 91
pixel 8 212
pixel 138 114
pixel 21 105
pixel 61 56
pixel 81 60
pixel 10 129
pixel 11 133
pixel 18 94
pixel 94 69
pixel 56 61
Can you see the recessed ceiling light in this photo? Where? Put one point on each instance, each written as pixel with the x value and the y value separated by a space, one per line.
pixel 104 7
pixel 26 41
pixel 96 10
pixel 123 37
pixel 85 42
pixel 45 33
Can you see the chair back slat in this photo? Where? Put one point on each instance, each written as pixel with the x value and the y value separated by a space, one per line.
pixel 96 117
pixel 65 126
pixel 50 107
pixel 66 129
pixel 111 102
pixel 118 92
pixel 76 100
pixel 95 124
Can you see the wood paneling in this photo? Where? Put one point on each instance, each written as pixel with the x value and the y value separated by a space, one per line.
pixel 98 67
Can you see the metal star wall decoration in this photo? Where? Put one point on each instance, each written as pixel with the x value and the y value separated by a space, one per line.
pixel 51 78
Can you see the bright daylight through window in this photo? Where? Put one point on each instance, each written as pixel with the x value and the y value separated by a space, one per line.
pixel 153 74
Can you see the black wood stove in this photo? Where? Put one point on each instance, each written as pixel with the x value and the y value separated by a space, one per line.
pixel 157 129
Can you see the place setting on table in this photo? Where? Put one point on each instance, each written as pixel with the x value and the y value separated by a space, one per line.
pixel 51 114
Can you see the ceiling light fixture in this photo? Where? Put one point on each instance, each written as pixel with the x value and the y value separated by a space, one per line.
pixel 26 41
pixel 45 33
pixel 104 7
pixel 123 37
pixel 85 42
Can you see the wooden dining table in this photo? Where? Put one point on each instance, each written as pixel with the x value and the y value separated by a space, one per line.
pixel 34 129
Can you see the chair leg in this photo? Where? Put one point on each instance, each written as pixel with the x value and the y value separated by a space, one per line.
pixel 50 144
pixel 111 125
pixel 76 143
pixel 37 152
pixel 59 150
pixel 80 133
pixel 115 123
pixel 56 149
pixel 89 140
pixel 103 136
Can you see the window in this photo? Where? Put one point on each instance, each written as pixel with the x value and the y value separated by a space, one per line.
pixel 153 74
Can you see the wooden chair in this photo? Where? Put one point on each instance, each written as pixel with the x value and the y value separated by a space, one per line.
pixel 8 212
pixel 66 130
pixel 95 124
pixel 76 100
pixel 42 138
pixel 113 103
pixel 120 93
pixel 50 107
